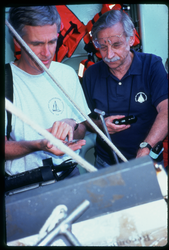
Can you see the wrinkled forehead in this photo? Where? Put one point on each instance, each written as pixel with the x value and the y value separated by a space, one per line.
pixel 109 39
pixel 112 33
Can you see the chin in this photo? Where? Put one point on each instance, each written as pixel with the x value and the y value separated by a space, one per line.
pixel 113 64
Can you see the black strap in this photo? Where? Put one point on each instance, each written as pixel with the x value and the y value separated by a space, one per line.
pixel 39 175
pixel 8 95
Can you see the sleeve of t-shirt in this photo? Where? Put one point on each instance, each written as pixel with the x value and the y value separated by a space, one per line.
pixel 87 88
pixel 158 82
pixel 79 98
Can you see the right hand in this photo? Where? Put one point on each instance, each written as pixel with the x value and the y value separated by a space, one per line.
pixel 112 128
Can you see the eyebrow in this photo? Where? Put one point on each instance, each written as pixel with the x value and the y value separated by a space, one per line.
pixel 41 42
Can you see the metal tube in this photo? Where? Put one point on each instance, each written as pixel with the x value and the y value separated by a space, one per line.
pixel 64 226
pixel 101 114
pixel 77 212
pixel 71 238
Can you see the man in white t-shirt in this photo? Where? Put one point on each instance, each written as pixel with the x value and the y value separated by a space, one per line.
pixel 38 96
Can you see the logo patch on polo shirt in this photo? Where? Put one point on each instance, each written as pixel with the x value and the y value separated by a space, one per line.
pixel 56 106
pixel 141 97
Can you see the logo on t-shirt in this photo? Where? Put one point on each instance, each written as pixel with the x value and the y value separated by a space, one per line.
pixel 56 106
pixel 141 97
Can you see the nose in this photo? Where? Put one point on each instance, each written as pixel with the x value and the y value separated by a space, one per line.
pixel 110 52
pixel 45 50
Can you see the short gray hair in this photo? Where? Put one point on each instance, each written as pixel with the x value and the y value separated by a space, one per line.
pixel 109 19
pixel 33 16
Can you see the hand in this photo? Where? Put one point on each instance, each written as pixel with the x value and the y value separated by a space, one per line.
pixel 54 150
pixel 61 130
pixel 70 122
pixel 142 152
pixel 112 128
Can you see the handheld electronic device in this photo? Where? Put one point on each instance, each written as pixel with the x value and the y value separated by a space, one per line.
pixel 125 120
pixel 71 142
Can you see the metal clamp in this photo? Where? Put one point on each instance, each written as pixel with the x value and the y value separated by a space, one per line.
pixel 59 224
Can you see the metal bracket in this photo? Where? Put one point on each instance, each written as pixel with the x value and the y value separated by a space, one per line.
pixel 59 223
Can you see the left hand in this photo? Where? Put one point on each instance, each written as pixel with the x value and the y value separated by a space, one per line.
pixel 142 152
pixel 75 146
pixel 113 128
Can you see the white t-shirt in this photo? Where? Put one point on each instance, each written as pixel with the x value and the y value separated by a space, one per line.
pixel 42 101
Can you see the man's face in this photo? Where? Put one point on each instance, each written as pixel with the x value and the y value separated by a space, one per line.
pixel 42 40
pixel 114 48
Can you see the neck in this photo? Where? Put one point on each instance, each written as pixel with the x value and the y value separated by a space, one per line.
pixel 31 69
pixel 121 70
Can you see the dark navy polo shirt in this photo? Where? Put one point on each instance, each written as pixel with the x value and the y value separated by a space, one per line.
pixel 138 93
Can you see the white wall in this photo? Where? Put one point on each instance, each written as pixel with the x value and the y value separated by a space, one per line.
pixel 9 45
pixel 154 29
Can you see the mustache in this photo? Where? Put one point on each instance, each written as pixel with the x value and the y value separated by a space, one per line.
pixel 112 59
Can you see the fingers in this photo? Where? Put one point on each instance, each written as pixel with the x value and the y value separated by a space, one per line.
pixel 112 128
pixel 60 130
pixel 75 146
pixel 113 117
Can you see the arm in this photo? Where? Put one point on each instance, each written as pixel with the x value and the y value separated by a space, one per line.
pixel 159 129
pixel 79 133
pixel 60 129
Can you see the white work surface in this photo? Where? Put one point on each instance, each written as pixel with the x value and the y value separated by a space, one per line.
pixel 144 225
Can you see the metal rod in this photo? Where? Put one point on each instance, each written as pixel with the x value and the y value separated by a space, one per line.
pixel 71 238
pixel 77 212
pixel 64 227
pixel 101 114
pixel 39 62
pixel 108 135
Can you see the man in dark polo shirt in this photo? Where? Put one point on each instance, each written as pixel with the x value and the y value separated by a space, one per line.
pixel 126 83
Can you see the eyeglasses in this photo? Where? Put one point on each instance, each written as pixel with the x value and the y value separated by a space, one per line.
pixel 101 43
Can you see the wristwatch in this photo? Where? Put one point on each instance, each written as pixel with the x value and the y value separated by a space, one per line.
pixel 76 126
pixel 145 145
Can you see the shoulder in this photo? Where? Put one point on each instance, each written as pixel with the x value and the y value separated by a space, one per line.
pixel 94 67
pixel 64 73
pixel 94 71
pixel 66 76
pixel 148 58
pixel 60 67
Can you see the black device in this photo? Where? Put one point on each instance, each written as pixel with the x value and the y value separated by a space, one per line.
pixel 47 172
pixel 156 152
pixel 71 142
pixel 125 120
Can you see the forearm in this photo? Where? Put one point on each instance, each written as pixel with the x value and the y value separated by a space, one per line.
pixel 157 133
pixel 159 130
pixel 61 130
pixel 79 133
pixel 18 149
pixel 90 128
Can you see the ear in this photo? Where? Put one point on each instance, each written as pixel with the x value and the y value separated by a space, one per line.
pixel 131 40
pixel 16 43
